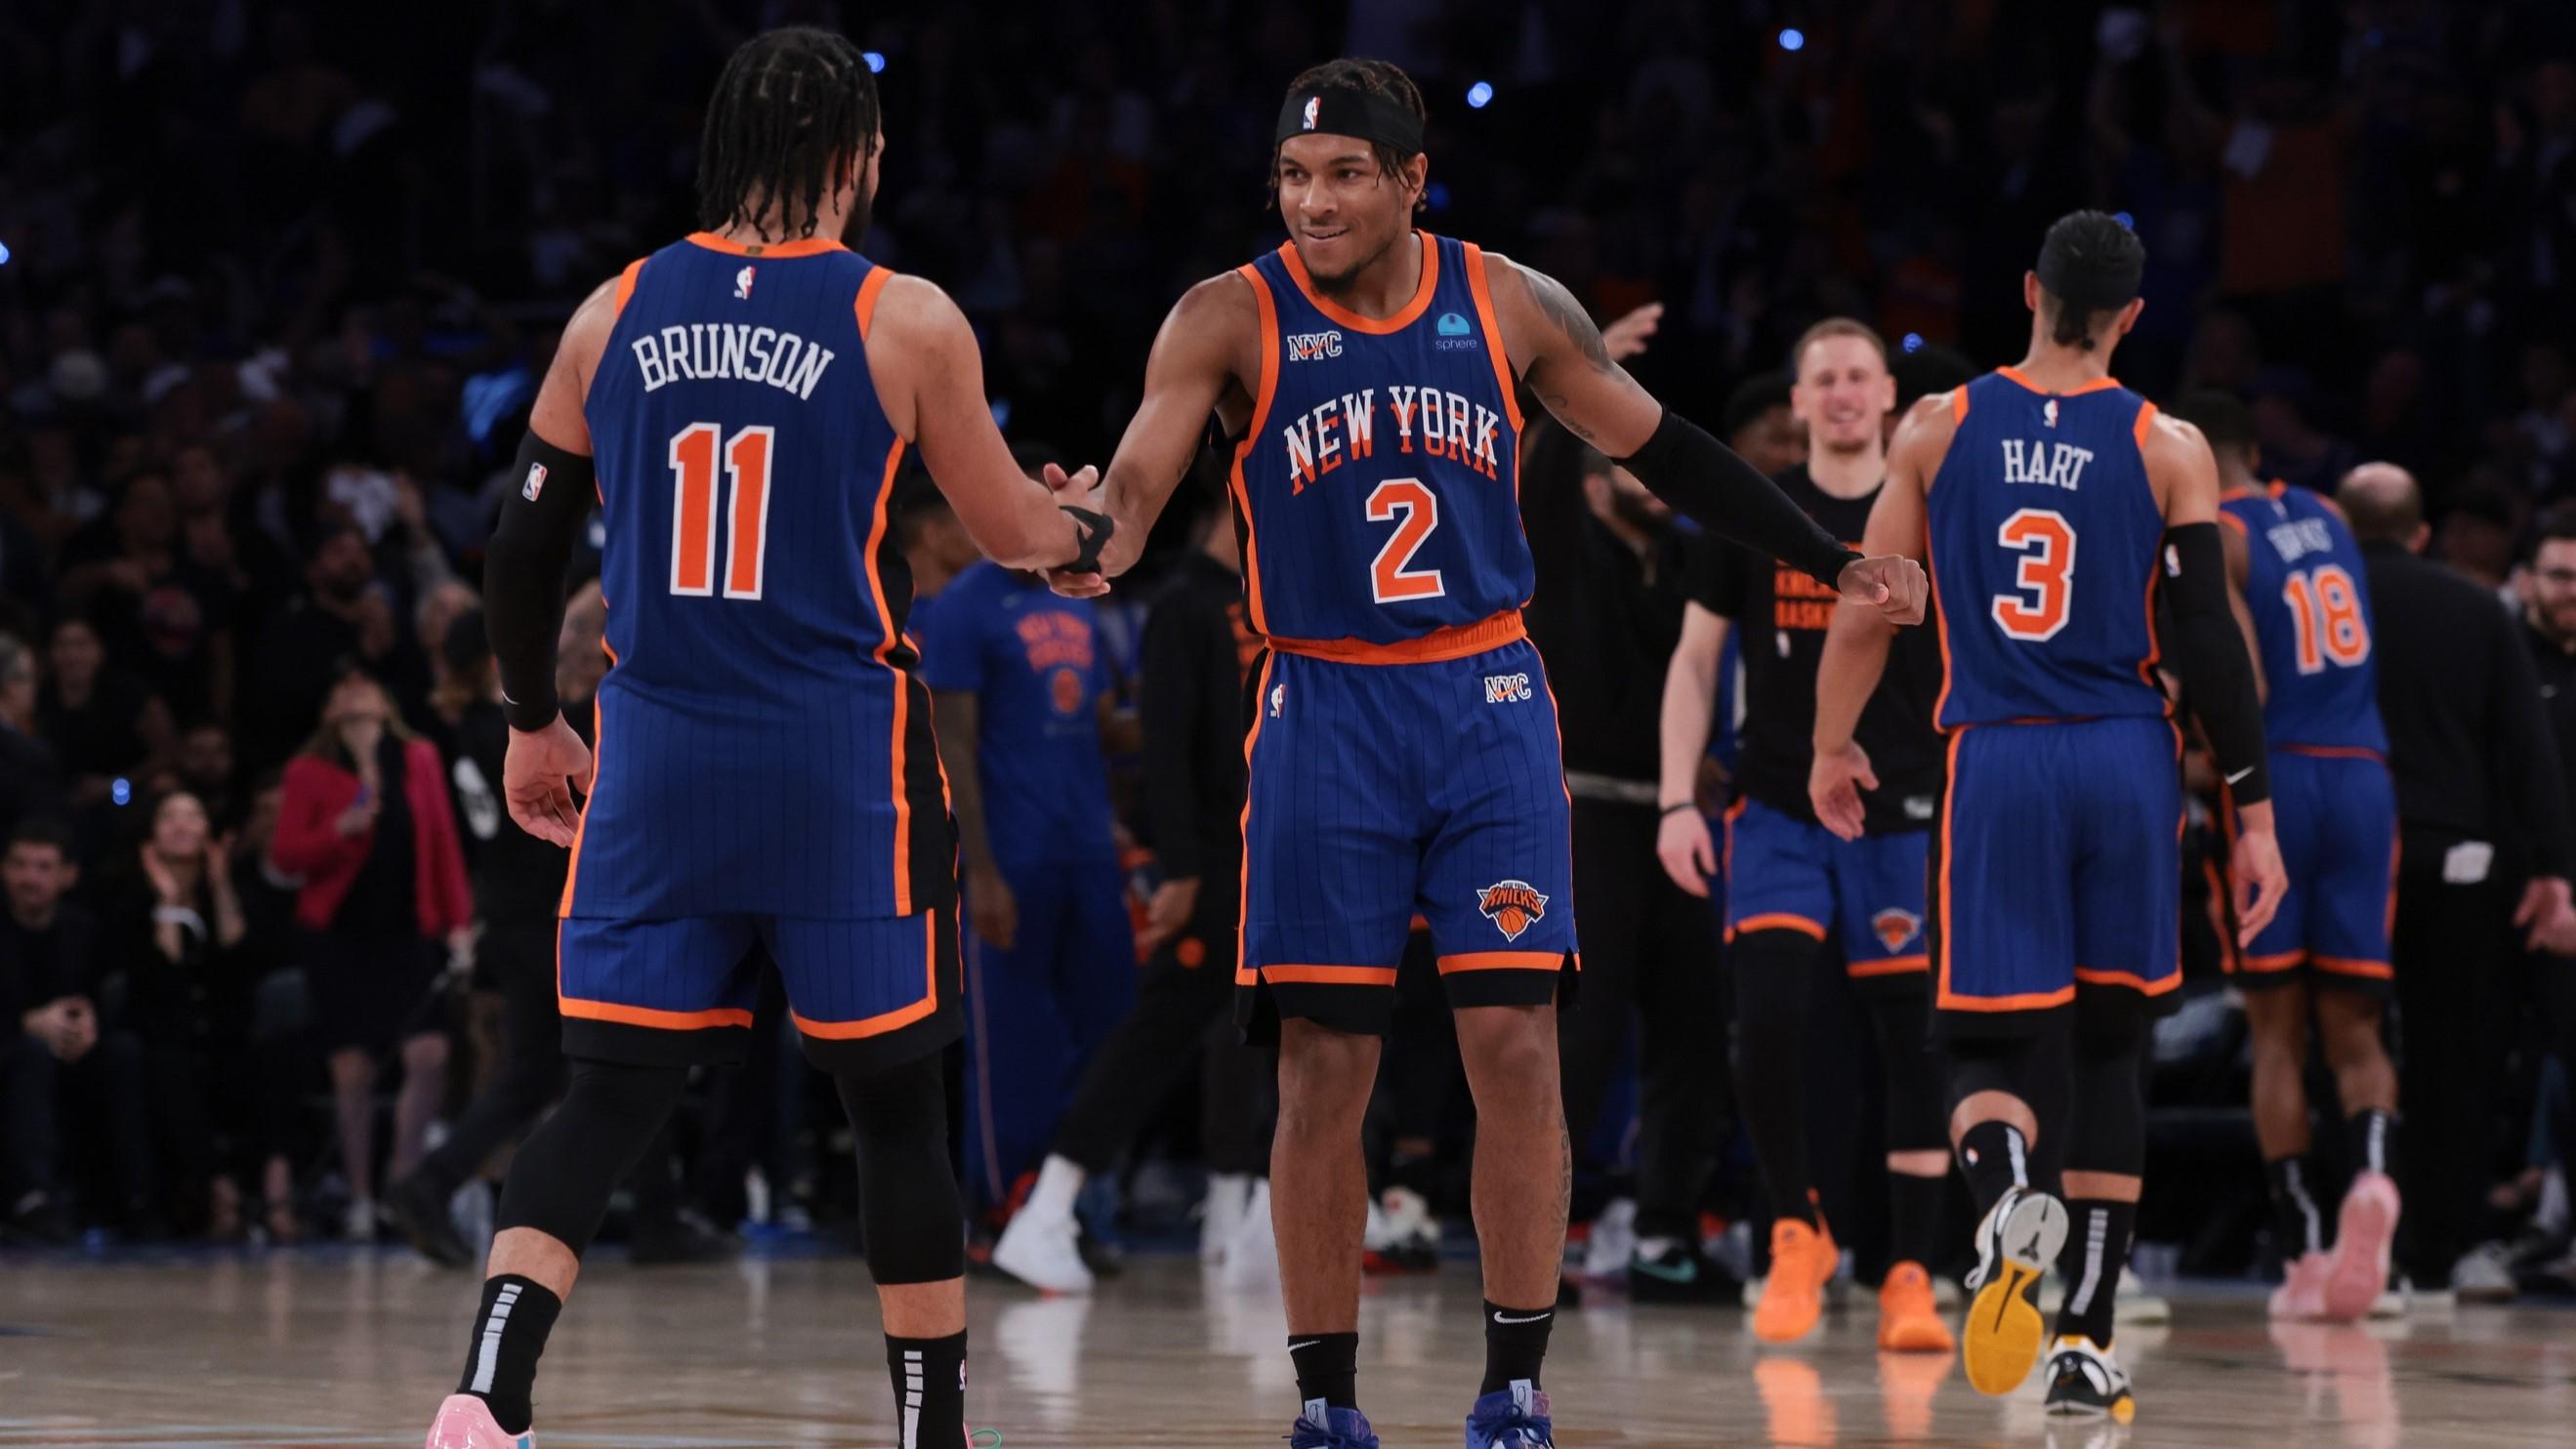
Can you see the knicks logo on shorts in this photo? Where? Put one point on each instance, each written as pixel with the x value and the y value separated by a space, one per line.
pixel 1511 905
pixel 1894 927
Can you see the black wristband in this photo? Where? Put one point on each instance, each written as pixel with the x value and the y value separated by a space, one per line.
pixel 1705 480
pixel 1677 809
pixel 1095 530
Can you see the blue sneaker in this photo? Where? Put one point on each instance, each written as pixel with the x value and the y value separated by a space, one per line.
pixel 1321 1427
pixel 1513 1418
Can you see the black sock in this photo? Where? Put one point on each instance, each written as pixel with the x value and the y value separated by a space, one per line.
pixel 1515 1344
pixel 1774 971
pixel 2097 1247
pixel 2372 1139
pixel 2296 1223
pixel 501 1358
pixel 1328 1367
pixel 1995 1158
pixel 929 1390
pixel 1914 1217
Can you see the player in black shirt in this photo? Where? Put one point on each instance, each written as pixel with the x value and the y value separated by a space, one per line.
pixel 1791 886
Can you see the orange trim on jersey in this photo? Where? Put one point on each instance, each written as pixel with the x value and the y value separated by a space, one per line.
pixel 1377 326
pixel 865 308
pixel 2016 375
pixel 643 1016
pixel 1244 974
pixel 1889 966
pixel 2334 752
pixel 2146 420
pixel 1270 345
pixel 1778 921
pixel 2277 487
pixel 812 246
pixel 598 739
pixel 2092 977
pixel 2260 965
pixel 1940 617
pixel 2026 1001
pixel 902 685
pixel 1454 642
pixel 2155 644
pixel 2234 522
pixel 2348 966
pixel 1493 337
pixel 1329 975
pixel 901 1016
pixel 1503 961
pixel 626 283
pixel 1958 406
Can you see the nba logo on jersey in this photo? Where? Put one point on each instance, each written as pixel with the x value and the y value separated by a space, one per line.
pixel 1511 905
pixel 742 285
pixel 2047 414
pixel 1313 105
pixel 536 483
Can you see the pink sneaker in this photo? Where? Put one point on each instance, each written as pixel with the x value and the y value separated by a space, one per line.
pixel 2301 1298
pixel 465 1422
pixel 2364 1228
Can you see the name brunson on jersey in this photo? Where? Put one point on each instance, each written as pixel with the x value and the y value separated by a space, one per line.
pixel 2299 537
pixel 722 351
pixel 2059 465
pixel 1443 424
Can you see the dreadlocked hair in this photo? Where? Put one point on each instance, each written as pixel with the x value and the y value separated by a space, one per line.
pixel 792 107
pixel 1380 77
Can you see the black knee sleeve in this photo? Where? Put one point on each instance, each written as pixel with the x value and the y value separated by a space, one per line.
pixel 908 1204
pixel 560 1182
pixel 1916 1121
pixel 1990 1064
pixel 2107 1127
pixel 1774 979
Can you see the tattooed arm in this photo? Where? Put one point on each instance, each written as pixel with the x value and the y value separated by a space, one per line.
pixel 1560 354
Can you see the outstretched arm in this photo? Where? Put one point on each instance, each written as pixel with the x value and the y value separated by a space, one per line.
pixel 1187 373
pixel 930 378
pixel 1561 355
pixel 1856 642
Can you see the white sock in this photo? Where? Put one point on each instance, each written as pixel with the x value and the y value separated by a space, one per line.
pixel 1059 1183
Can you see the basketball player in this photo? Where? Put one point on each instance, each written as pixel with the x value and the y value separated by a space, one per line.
pixel 2300 579
pixel 737 403
pixel 1403 751
pixel 2053 879
pixel 1791 886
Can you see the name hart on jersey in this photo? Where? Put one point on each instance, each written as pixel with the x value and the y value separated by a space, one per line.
pixel 2057 465
pixel 1431 421
pixel 719 351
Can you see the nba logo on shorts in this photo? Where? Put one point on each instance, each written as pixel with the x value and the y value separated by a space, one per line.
pixel 1314 104
pixel 1894 927
pixel 742 285
pixel 1511 905
pixel 536 483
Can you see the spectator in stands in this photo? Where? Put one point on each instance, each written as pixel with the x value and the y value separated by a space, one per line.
pixel 157 610
pixel 31 782
pixel 343 616
pixel 62 1080
pixel 367 821
pixel 104 724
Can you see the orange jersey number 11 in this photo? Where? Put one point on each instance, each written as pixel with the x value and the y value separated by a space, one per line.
pixel 693 525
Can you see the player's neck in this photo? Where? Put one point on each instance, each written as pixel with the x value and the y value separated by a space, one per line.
pixel 2064 369
pixel 2232 480
pixel 1855 474
pixel 768 230
pixel 1386 285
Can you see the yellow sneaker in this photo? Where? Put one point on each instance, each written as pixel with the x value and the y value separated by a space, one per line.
pixel 2017 1241
pixel 1908 1320
pixel 1802 1263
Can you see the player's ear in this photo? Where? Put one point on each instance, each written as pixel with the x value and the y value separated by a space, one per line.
pixel 2030 290
pixel 1417 178
pixel 2129 315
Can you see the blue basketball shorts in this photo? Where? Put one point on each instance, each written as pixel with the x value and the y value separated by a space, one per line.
pixel 1380 792
pixel 2335 812
pixel 864 994
pixel 2057 873
pixel 1784 873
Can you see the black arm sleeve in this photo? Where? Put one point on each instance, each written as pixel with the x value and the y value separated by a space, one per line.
pixel 1173 684
pixel 1705 480
pixel 523 575
pixel 2526 765
pixel 2209 654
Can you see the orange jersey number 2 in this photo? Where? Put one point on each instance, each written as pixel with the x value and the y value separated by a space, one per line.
pixel 2036 609
pixel 693 526
pixel 1389 580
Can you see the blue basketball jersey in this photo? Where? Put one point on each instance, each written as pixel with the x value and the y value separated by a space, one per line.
pixel 2045 538
pixel 2310 598
pixel 763 745
pixel 1378 487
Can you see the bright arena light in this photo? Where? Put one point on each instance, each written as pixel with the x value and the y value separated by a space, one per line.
pixel 1913 342
pixel 4 254
pixel 1479 95
pixel 874 58
pixel 1793 39
pixel 2124 219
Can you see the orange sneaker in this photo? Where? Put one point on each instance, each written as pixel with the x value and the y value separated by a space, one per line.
pixel 1802 1263
pixel 1908 1321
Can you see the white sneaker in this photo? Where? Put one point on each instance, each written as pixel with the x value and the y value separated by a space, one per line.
pixel 1613 1240
pixel 1252 1258
pixel 2135 1305
pixel 2484 1274
pixel 358 1225
pixel 1222 1215
pixel 1044 1251
pixel 1407 1237
pixel 2394 1301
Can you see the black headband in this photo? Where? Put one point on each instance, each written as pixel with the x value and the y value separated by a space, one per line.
pixel 1350 111
pixel 2091 283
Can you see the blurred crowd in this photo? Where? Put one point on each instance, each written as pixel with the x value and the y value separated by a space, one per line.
pixel 280 279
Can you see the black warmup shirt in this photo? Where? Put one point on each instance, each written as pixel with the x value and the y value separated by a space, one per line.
pixel 1605 617
pixel 2556 667
pixel 518 879
pixel 1193 660
pixel 1783 615
pixel 2466 727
